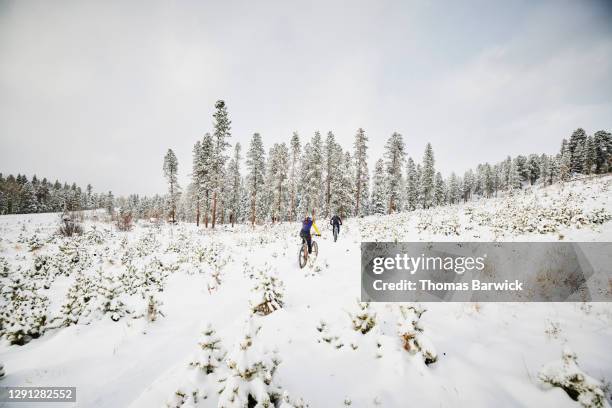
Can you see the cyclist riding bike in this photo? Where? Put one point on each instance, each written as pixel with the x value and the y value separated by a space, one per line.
pixel 336 222
pixel 305 232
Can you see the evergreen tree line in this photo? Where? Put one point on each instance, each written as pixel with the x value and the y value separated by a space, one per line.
pixel 318 177
pixel 18 195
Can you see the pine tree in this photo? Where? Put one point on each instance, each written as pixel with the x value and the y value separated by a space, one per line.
pixel 544 169
pixel 576 147
pixel 110 203
pixel 361 171
pixel 603 151
pixel 267 294
pixel 577 159
pixel 439 190
pixel 364 319
pixel 235 184
pixel 250 383
pixel 454 194
pixel 170 172
pixel 311 179
pixel 23 315
pixel 206 176
pixel 533 168
pixel 394 155
pixel 221 133
pixel 28 203
pixel 294 170
pixel 211 352
pixel 427 177
pixel 343 186
pixel 256 167
pixel 515 176
pixel 196 179
pixel 590 156
pixel 418 177
pixel 412 188
pixel 565 165
pixel 379 189
pixel 331 167
pixel 278 171
pixel 554 169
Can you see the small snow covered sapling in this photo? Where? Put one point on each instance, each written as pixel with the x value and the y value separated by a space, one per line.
pixel 77 299
pixel 153 307
pixel 365 319
pixel 580 387
pixel 204 363
pixel 23 311
pixel 4 268
pixel 211 352
pixel 110 291
pixel 251 372
pixel 267 294
pixel 411 331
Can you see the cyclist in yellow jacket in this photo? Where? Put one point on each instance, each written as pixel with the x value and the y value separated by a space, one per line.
pixel 305 231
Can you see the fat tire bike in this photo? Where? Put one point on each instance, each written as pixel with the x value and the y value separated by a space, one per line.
pixel 303 255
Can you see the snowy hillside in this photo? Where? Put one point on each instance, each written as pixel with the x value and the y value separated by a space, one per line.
pixel 170 314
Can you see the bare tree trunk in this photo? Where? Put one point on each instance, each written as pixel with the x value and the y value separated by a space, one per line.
pixel 358 181
pixel 253 198
pixel 198 213
pixel 279 201
pixel 327 194
pixel 214 210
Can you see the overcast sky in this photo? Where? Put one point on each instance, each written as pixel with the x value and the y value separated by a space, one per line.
pixel 96 92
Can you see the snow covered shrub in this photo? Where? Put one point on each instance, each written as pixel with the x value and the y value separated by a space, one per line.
pixel 70 225
pixel 34 243
pixel 4 267
pixel 153 308
pixel 72 257
pixel 152 276
pixel 124 220
pixel 109 296
pixel 599 216
pixel 75 307
pixel 146 245
pixel 425 221
pixel 364 319
pixel 411 334
pixel 23 311
pixel 580 387
pixel 211 353
pixel 2 371
pixel 328 337
pixel 251 372
pixel 205 363
pixel 267 294
pixel 94 236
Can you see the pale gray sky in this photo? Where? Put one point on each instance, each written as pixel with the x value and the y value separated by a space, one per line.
pixel 98 91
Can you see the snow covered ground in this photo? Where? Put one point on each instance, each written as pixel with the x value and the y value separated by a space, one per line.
pixel 487 354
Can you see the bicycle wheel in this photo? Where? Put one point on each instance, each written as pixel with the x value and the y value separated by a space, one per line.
pixel 303 255
pixel 315 250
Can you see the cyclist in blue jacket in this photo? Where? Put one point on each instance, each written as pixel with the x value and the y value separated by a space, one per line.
pixel 305 232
